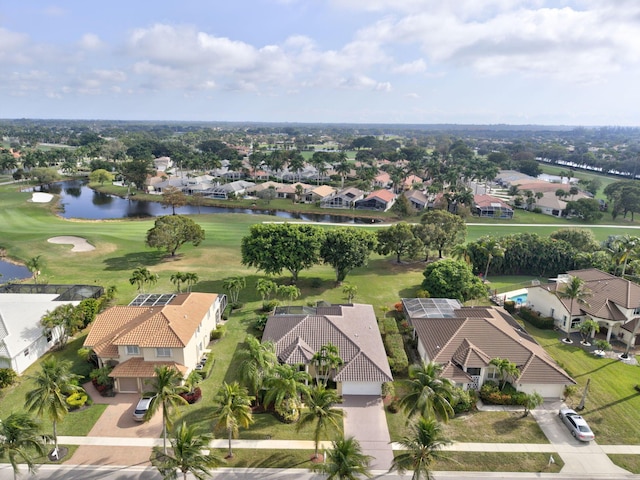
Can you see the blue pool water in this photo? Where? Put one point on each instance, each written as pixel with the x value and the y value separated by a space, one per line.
pixel 519 299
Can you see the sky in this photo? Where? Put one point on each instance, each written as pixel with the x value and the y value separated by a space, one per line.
pixel 563 62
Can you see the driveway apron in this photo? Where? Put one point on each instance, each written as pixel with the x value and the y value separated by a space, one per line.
pixel 365 420
pixel 579 457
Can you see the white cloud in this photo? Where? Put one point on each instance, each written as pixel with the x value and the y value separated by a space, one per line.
pixel 90 41
pixel 417 66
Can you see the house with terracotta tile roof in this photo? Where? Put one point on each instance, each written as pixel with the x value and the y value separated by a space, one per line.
pixel 611 301
pixel 381 200
pixel 299 332
pixel 153 330
pixel 465 339
pixel 492 207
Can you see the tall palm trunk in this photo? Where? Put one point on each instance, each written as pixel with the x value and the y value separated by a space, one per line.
pixel 230 454
pixel 55 436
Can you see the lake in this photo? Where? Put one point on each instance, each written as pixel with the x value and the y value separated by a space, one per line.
pixel 11 272
pixel 77 200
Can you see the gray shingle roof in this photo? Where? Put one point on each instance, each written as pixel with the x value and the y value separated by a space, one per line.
pixel 485 333
pixel 352 328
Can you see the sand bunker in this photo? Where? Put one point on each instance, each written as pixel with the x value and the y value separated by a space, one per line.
pixel 79 243
pixel 39 197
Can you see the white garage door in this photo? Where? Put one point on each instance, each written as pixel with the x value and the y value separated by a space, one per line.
pixel 547 391
pixel 361 388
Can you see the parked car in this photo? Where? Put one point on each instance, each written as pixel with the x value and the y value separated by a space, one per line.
pixel 576 424
pixel 141 409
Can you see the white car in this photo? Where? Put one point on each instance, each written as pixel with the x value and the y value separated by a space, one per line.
pixel 576 424
pixel 141 409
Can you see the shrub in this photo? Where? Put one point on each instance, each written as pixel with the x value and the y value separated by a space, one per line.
pixel 405 328
pixel 398 307
pixel 208 366
pixel 394 406
pixel 193 396
pixel 422 293
pixel 269 306
pixel 510 306
pixel 388 389
pixel 7 377
pixel 465 400
pixel 491 394
pixel 535 319
pixel 390 326
pixel 77 400
pixel 218 333
pixel 260 322
pixel 398 361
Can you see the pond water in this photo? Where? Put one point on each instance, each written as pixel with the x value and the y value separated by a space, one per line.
pixel 11 272
pixel 77 200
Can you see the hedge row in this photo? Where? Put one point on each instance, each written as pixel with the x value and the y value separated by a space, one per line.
pixel 535 319
pixel 398 360
pixel 390 326
pixel 491 394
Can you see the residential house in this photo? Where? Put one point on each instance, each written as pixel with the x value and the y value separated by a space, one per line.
pixel 290 191
pixel 345 198
pixel 465 340
pixel 493 207
pixel 23 340
pixel 229 190
pixel 611 301
pixel 162 164
pixel 153 330
pixel 318 194
pixel 381 200
pixel 417 199
pixel 411 181
pixel 382 180
pixel 299 332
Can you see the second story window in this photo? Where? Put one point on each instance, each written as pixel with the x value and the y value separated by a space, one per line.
pixel 163 352
pixel 133 350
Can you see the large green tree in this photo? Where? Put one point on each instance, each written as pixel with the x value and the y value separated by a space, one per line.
pixel 20 440
pixel 190 453
pixel 164 389
pixel 277 247
pixel 506 369
pixel 52 384
pixel 173 197
pixel 170 232
pixel 347 248
pixel 67 319
pixel 232 410
pixel 399 240
pixel 318 409
pixel 452 279
pixel 258 358
pixel 421 446
pixel 427 392
pixel 137 171
pixel 448 229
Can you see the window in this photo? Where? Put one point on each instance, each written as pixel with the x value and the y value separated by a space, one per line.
pixel 553 311
pixel 49 336
pixel 26 352
pixel 636 311
pixel 492 374
pixel 473 371
pixel 564 320
pixel 163 352
pixel 575 323
pixel 133 350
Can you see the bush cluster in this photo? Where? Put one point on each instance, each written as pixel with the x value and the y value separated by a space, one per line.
pixel 192 397
pixel 390 326
pixel 535 319
pixel 77 400
pixel 218 333
pixel 398 360
pixel 465 400
pixel 7 377
pixel 490 393
pixel 269 305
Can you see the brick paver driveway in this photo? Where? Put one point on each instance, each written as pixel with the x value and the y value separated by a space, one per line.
pixel 117 421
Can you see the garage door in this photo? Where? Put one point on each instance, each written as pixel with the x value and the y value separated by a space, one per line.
pixel 547 391
pixel 361 388
pixel 127 385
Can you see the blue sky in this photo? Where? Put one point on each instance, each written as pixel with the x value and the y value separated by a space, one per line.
pixel 572 62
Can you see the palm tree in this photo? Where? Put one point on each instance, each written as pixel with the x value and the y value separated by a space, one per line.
pixel 232 410
pixel 575 290
pixel 34 265
pixel 506 369
pixel 326 360
pixel 626 249
pixel 259 359
pixel 588 327
pixel 290 291
pixel 52 383
pixel 233 286
pixel 491 248
pixel 428 393
pixel 141 276
pixel 191 278
pixel 165 389
pixel 177 279
pixel 20 437
pixel 421 446
pixel 187 455
pixel 531 401
pixel 345 461
pixel 285 385
pixel 265 287
pixel 350 291
pixel 343 169
pixel 319 404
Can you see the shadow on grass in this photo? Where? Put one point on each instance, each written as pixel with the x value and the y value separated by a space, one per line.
pixel 608 364
pixel 134 260
pixel 273 461
pixel 621 400
pixel 233 374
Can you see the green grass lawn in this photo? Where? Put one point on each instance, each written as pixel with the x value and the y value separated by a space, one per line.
pixel 612 404
pixel 628 462
pixel 499 462
pixel 259 458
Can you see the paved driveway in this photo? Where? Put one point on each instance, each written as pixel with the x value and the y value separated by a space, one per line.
pixel 365 420
pixel 117 421
pixel 579 457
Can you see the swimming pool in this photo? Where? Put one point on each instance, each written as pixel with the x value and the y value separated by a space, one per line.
pixel 519 299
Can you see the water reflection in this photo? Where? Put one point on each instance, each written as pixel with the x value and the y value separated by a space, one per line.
pixel 11 272
pixel 77 200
